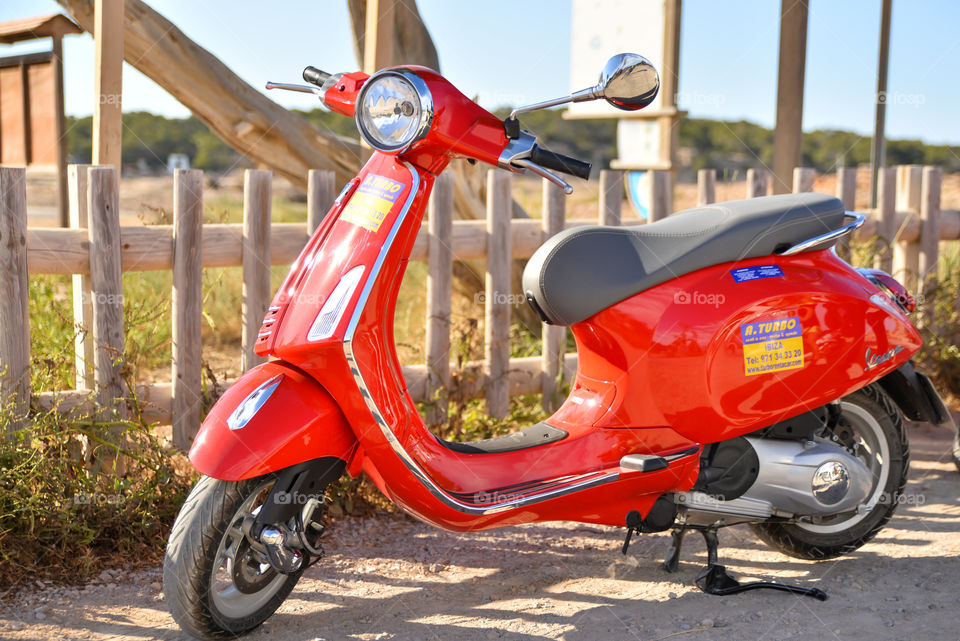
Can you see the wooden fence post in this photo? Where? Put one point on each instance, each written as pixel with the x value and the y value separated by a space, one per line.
pixel 929 233
pixel 186 308
pixel 553 220
pixel 611 197
pixel 82 294
pixel 14 292
pixel 847 193
pixel 887 212
pixel 106 286
pixel 906 256
pixel 497 301
pixel 439 294
pixel 758 182
pixel 661 205
pixel 803 179
pixel 321 192
pixel 257 191
pixel 706 187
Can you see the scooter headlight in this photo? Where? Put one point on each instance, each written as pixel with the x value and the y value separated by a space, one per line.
pixel 394 110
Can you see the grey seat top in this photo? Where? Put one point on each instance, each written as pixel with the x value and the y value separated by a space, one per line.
pixel 584 270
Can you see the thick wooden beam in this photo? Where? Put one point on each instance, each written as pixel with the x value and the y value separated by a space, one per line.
pixel 108 82
pixel 379 35
pixel 788 135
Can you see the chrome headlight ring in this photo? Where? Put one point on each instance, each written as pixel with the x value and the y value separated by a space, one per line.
pixel 419 120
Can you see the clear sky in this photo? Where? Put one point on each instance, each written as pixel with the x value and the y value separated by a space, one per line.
pixel 513 52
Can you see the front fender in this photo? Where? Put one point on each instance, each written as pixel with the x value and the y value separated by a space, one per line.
pixel 298 422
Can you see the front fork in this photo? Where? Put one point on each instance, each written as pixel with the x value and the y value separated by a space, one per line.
pixel 287 525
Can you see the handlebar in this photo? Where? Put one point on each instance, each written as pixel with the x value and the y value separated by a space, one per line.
pixel 558 162
pixel 314 76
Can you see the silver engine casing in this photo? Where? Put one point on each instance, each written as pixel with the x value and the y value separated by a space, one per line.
pixel 811 478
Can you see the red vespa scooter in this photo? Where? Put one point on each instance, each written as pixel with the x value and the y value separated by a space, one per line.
pixel 731 369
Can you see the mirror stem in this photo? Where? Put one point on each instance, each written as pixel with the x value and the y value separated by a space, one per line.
pixel 580 96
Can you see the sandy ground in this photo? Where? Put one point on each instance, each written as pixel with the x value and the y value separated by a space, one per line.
pixel 391 578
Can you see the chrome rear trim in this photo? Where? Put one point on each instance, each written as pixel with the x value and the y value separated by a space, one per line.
pixel 839 232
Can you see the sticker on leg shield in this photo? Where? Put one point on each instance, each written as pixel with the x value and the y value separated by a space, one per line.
pixel 743 274
pixel 372 202
pixel 772 346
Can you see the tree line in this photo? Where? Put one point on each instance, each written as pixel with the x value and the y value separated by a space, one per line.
pixel 148 140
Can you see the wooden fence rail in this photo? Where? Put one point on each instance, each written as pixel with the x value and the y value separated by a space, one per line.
pixel 908 224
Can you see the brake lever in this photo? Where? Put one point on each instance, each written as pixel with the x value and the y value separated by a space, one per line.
pixel 291 87
pixel 544 173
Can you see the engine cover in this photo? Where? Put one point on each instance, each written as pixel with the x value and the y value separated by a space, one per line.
pixel 809 478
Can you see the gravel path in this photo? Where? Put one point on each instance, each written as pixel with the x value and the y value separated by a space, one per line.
pixel 391 578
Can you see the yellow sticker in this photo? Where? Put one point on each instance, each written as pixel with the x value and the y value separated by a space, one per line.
pixel 372 201
pixel 772 346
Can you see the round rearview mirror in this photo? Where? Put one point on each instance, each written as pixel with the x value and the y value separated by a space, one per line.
pixel 628 81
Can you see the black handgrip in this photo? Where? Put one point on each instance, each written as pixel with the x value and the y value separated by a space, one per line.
pixel 314 76
pixel 561 163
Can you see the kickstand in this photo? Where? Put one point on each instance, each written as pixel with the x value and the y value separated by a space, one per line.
pixel 672 562
pixel 714 579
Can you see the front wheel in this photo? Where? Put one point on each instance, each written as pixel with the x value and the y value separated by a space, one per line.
pixel 215 584
pixel 877 437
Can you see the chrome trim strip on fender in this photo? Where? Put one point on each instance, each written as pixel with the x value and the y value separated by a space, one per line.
pixel 576 484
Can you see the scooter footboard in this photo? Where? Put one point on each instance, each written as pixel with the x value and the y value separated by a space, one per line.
pixel 273 417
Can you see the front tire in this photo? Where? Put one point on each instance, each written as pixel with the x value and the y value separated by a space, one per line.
pixel 216 586
pixel 882 445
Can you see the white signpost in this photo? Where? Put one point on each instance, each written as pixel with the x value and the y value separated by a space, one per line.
pixel 602 28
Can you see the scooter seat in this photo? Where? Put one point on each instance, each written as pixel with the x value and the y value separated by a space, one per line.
pixel 584 270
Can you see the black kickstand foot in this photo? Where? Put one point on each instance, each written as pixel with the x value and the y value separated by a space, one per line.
pixel 714 579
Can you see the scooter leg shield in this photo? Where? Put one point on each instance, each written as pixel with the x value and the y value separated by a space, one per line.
pixel 273 417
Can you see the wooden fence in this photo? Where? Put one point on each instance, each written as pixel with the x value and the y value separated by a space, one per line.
pixel 96 250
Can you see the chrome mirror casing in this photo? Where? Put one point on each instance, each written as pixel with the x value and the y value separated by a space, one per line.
pixel 628 81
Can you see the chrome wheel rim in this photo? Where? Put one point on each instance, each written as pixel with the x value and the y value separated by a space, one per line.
pixel 236 559
pixel 874 452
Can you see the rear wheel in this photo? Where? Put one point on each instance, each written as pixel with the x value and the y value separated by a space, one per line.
pixel 216 585
pixel 879 440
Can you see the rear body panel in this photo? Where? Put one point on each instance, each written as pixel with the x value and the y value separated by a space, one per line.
pixel 715 357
